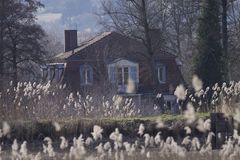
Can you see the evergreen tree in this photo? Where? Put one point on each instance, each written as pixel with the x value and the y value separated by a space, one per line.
pixel 208 62
pixel 21 38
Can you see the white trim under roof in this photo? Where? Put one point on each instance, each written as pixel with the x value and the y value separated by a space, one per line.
pixel 123 62
pixel 58 65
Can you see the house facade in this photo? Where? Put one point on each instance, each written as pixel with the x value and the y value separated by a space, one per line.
pixel 112 63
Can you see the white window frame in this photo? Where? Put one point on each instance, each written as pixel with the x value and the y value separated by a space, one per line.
pixel 86 79
pixel 161 67
pixel 123 75
pixel 123 63
pixel 87 71
pixel 55 68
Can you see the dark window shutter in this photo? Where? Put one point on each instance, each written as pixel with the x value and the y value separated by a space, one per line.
pixel 112 74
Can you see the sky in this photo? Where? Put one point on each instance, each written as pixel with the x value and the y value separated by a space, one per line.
pixel 69 14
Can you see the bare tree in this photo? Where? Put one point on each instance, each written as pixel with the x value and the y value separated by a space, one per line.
pixel 137 19
pixel 176 21
pixel 184 15
pixel 234 38
pixel 181 33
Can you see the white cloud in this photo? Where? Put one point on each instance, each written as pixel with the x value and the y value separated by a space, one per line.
pixel 83 17
pixel 88 30
pixel 96 3
pixel 41 10
pixel 82 22
pixel 49 17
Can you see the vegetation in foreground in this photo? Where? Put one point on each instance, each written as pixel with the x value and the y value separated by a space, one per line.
pixel 109 143
pixel 117 134
pixel 35 102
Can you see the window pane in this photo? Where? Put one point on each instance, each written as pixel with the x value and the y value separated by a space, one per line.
pixel 133 73
pixel 56 74
pixel 169 105
pixel 88 74
pixel 85 75
pixel 60 73
pixel 45 71
pixel 52 71
pixel 120 78
pixel 162 74
pixel 126 75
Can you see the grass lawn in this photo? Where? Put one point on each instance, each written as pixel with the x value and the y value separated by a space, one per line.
pixel 164 117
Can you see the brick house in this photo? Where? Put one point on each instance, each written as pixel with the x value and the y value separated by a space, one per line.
pixel 112 63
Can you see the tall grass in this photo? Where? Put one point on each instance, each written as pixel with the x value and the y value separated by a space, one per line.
pixel 32 101
pixel 39 102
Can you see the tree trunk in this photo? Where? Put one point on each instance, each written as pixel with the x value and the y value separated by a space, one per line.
pixel 1 43
pixel 179 46
pixel 1 57
pixel 225 39
pixel 14 65
pixel 146 29
pixel 148 44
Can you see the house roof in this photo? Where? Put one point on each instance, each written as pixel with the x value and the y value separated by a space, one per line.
pixel 82 46
pixel 88 43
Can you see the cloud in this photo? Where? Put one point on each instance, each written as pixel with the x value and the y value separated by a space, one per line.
pixel 88 30
pixel 49 17
pixel 41 10
pixel 69 14
pixel 82 21
pixel 96 3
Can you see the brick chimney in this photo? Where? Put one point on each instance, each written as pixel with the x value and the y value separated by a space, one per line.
pixel 71 41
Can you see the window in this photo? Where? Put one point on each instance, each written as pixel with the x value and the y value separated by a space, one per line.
pixel 133 73
pixel 52 73
pixel 119 76
pixel 170 104
pixel 86 75
pixel 44 73
pixel 122 71
pixel 60 73
pixel 161 73
pixel 123 75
